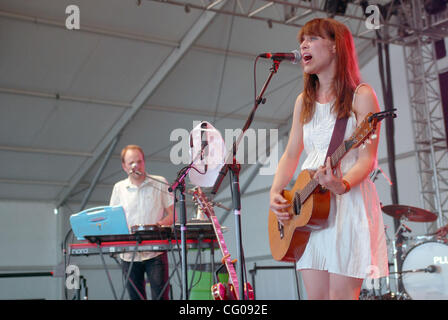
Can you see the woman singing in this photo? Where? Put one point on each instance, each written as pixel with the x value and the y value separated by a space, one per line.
pixel 352 246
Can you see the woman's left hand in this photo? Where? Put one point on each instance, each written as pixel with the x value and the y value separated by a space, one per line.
pixel 328 180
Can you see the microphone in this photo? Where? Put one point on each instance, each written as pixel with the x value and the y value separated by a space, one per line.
pixel 406 228
pixel 133 166
pixel 432 268
pixel 293 56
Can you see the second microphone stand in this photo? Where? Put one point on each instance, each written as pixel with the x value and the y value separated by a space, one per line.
pixel 179 184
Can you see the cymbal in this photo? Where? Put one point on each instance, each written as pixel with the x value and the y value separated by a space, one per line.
pixel 411 213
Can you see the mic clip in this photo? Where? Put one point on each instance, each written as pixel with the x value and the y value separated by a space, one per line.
pixel 134 171
pixel 261 100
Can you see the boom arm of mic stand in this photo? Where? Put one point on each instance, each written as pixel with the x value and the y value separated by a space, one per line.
pixel 411 271
pixel 182 174
pixel 180 179
pixel 249 120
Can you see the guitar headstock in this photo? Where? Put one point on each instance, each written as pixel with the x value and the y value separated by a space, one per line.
pixel 367 127
pixel 202 201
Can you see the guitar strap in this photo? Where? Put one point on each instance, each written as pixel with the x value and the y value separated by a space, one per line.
pixel 339 130
pixel 337 136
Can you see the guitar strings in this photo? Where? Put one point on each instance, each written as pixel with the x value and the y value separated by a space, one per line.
pixel 312 185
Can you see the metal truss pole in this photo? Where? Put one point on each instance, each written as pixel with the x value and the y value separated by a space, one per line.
pixel 426 114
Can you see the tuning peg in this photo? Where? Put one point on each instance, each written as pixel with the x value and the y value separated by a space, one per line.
pixel 363 146
pixel 374 136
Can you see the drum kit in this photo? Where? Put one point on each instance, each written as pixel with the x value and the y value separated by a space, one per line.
pixel 424 268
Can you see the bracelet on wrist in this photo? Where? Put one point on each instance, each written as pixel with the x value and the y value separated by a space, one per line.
pixel 347 186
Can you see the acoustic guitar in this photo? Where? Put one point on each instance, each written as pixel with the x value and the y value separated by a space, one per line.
pixel 309 202
pixel 219 290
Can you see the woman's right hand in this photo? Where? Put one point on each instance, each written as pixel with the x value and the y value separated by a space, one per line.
pixel 278 205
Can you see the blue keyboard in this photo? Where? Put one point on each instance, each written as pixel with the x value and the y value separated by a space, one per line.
pixel 99 221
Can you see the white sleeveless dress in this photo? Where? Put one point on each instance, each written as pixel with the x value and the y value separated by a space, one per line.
pixel 354 242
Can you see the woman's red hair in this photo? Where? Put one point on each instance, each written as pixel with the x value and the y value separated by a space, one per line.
pixel 347 76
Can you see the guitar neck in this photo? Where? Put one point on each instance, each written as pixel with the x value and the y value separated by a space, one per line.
pixel 222 245
pixel 337 155
pixel 362 132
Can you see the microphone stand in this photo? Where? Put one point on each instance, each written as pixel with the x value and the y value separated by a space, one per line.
pixel 179 184
pixel 234 167
pixel 397 242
